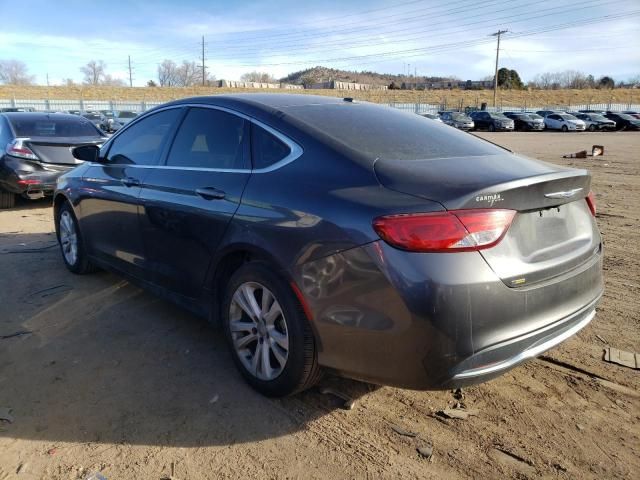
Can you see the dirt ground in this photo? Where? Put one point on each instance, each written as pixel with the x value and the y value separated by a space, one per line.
pixel 107 378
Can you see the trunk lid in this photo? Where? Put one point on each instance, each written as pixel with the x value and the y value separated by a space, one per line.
pixel 57 150
pixel 553 231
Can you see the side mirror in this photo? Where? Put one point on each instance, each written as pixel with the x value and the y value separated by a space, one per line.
pixel 88 153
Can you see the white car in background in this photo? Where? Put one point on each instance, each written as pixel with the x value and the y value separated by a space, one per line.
pixel 564 122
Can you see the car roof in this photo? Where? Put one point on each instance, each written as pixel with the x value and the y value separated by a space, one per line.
pixel 37 115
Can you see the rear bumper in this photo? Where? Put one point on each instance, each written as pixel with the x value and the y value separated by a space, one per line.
pixel 437 321
pixel 494 361
pixel 30 178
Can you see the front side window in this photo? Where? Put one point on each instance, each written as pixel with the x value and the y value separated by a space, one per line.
pixel 266 149
pixel 209 138
pixel 142 142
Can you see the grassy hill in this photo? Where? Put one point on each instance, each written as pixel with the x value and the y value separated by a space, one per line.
pixel 451 97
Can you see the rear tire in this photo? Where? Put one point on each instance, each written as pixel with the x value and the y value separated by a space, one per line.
pixel 268 332
pixel 7 199
pixel 74 254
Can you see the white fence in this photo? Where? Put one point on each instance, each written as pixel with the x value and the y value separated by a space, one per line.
pixel 84 105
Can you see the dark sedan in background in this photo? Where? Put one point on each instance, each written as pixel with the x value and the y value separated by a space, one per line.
pixel 332 234
pixel 596 122
pixel 36 150
pixel 492 121
pixel 624 121
pixel 525 121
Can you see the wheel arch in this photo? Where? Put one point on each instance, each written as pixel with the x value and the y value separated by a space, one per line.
pixel 227 262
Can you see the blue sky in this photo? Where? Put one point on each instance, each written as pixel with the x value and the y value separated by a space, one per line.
pixel 434 37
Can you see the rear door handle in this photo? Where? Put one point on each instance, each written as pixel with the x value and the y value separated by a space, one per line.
pixel 130 182
pixel 210 193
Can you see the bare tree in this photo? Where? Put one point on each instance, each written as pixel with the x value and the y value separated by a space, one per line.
pixel 68 82
pixel 262 77
pixel 189 74
pixel 110 81
pixel 14 72
pixel 168 74
pixel 94 72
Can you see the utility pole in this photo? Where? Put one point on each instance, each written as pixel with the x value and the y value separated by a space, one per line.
pixel 47 79
pixel 204 74
pixel 495 76
pixel 130 75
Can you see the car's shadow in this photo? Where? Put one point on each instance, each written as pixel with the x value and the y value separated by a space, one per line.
pixel 95 359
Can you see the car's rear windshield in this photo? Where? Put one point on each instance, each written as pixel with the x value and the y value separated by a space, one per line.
pixel 387 133
pixel 53 126
pixel 127 115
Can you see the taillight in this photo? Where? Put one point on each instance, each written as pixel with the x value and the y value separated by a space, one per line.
pixel 452 231
pixel 18 149
pixel 591 201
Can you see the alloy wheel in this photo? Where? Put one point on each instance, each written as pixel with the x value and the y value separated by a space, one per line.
pixel 259 331
pixel 68 238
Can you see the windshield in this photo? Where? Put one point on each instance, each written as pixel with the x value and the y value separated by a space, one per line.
pixel 498 116
pixel 534 116
pixel 461 117
pixel 92 116
pixel 597 118
pixel 626 116
pixel 566 116
pixel 53 126
pixel 127 115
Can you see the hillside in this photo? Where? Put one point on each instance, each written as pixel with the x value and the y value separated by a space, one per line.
pixel 324 74
pixel 515 98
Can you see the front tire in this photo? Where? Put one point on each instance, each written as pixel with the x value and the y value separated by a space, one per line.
pixel 7 199
pixel 71 242
pixel 492 128
pixel 565 128
pixel 268 332
pixel 592 128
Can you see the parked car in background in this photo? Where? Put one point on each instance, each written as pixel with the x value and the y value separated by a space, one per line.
pixel 17 109
pixel 125 116
pixel 595 121
pixel 458 120
pixel 36 150
pixel 492 121
pixel 599 112
pixel 632 113
pixel 431 116
pixel 624 121
pixel 564 122
pixel 525 121
pixel 75 112
pixel 352 236
pixel 99 120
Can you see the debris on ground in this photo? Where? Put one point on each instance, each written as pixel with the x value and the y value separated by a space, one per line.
pixel 458 394
pixel 5 414
pixel 597 150
pixel 627 359
pixel 214 399
pixel 15 334
pixel 426 451
pixel 402 431
pixel 458 413
pixel 580 154
pixel 95 476
pixel 601 339
pixel 348 401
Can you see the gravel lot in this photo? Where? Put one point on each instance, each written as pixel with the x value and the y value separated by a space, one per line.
pixel 111 379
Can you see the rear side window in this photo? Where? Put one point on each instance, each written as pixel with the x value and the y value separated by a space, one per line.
pixel 142 142
pixel 266 149
pixel 53 126
pixel 209 138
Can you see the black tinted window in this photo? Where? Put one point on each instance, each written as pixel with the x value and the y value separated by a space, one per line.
pixel 266 149
pixel 209 139
pixel 142 142
pixel 53 126
pixel 388 133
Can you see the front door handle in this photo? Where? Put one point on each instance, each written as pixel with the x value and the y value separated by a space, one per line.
pixel 130 182
pixel 210 193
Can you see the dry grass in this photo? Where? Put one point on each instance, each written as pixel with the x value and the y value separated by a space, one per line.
pixel 452 97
